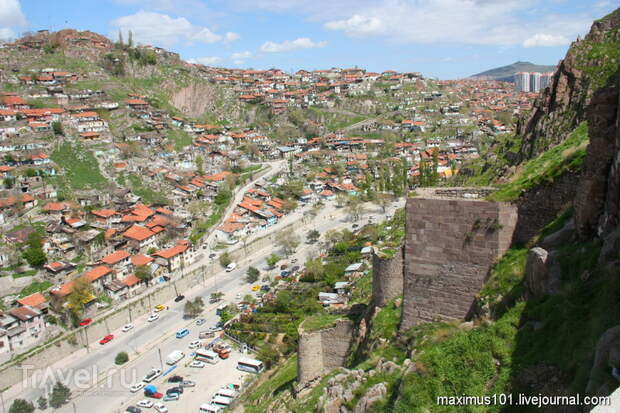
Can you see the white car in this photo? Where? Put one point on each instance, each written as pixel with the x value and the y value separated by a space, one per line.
pixel 161 408
pixel 145 403
pixel 136 387
pixel 153 317
pixel 194 344
pixel 197 364
pixel 127 327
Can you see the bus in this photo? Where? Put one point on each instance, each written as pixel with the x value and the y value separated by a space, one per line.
pixel 207 356
pixel 250 365
pixel 224 392
pixel 221 401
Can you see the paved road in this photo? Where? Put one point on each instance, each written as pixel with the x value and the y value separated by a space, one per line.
pixel 144 342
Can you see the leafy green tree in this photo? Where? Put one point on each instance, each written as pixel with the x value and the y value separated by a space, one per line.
pixel 60 395
pixel 313 236
pixel 268 355
pixel 252 275
pixel 225 259
pixel 288 241
pixel 194 308
pixel 200 163
pixel 35 257
pixel 42 403
pixel 21 406
pixel 121 358
pixel 57 128
pixel 143 272
pixel 81 294
pixel 130 39
pixel 217 296
pixel 272 260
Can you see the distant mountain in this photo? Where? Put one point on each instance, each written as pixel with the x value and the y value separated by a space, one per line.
pixel 506 73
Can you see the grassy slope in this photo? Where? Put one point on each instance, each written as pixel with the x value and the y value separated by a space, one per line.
pixel 81 170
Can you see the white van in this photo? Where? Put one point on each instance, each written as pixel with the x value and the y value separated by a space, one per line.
pixel 221 401
pixel 174 357
pixel 210 408
pixel 231 267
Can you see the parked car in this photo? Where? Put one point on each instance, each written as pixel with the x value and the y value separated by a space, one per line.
pixel 182 333
pixel 86 322
pixel 255 287
pixel 284 274
pixel 176 389
pixel 265 288
pixel 188 383
pixel 160 407
pixel 153 317
pixel 179 298
pixel 295 268
pixel 171 397
pixel 127 327
pixel 283 266
pixel 152 375
pixel 147 404
pixel 206 334
pixel 136 387
pixel 194 344
pixel 133 409
pixel 197 364
pixel 106 339
pixel 175 379
pixel 160 307
pixel 212 255
pixel 153 395
pixel 294 260
pixel 200 321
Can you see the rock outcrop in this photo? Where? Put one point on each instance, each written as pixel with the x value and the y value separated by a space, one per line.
pixel 542 273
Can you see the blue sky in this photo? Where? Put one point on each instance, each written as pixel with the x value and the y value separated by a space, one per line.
pixel 446 39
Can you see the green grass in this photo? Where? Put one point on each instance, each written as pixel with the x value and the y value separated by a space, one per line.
pixel 254 400
pixel 147 194
pixel 319 321
pixel 81 170
pixel 180 139
pixel 565 157
pixel 35 287
pixel 28 273
pixel 504 284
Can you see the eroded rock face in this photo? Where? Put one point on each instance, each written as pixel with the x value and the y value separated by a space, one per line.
pixel 606 356
pixel 542 273
pixel 374 394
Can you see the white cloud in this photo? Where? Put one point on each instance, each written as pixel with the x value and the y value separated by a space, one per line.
pixel 161 29
pixel 239 58
pixel 231 36
pixel 10 16
pixel 545 40
pixel 288 45
pixel 480 22
pixel 207 60
pixel 357 26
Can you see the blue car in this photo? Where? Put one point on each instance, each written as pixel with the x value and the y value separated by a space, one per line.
pixel 284 274
pixel 182 333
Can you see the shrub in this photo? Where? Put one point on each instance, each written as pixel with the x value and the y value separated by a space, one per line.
pixel 121 358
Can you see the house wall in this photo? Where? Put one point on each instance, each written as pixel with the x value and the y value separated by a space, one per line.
pixel 450 246
pixel 387 278
pixel 322 351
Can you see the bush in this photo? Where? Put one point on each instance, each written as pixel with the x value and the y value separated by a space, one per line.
pixel 121 358
pixel 60 395
pixel 21 406
pixel 225 259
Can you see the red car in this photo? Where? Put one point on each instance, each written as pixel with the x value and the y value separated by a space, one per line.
pixel 86 322
pixel 106 339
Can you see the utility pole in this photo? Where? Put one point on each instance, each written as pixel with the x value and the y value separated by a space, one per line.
pixel 2 399
pixel 74 409
pixel 161 363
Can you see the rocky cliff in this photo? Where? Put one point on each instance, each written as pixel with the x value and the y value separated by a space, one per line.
pixel 563 105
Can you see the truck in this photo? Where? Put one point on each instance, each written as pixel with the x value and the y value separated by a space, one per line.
pixel 231 267
pixel 174 357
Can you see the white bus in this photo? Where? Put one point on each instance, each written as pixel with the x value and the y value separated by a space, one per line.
pixel 225 392
pixel 221 401
pixel 207 356
pixel 210 408
pixel 250 365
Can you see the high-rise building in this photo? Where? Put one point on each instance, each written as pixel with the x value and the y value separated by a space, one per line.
pixel 522 82
pixel 545 79
pixel 534 82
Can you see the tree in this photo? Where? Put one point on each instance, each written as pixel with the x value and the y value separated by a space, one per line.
pixel 268 355
pixel 143 272
pixel 35 257
pixel 57 127
pixel 81 294
pixel 252 275
pixel 130 39
pixel 194 308
pixel 200 163
pixel 60 395
pixel 341 199
pixel 354 208
pixel 288 205
pixel 21 406
pixel 120 38
pixel 225 259
pixel 42 403
pixel 288 241
pixel 313 270
pixel 313 236
pixel 272 260
pixel 217 296
pixel 121 358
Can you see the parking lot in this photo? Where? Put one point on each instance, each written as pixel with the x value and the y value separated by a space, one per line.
pixel 208 380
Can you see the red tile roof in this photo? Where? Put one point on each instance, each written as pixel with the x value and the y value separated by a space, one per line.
pixel 33 300
pixel 138 233
pixel 140 259
pixel 115 257
pixel 97 272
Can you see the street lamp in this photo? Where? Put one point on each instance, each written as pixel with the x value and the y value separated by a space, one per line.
pixel 161 363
